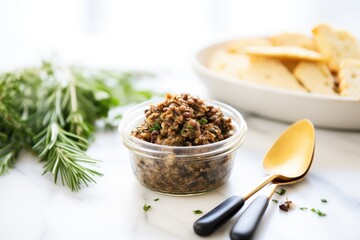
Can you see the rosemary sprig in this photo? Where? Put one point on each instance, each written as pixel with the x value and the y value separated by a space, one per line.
pixel 63 155
pixel 53 111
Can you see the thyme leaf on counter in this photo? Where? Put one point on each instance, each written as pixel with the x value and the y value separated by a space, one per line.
pixel 303 208
pixel 146 207
pixel 156 199
pixel 52 110
pixel 318 212
pixel 323 200
pixel 197 212
pixel 282 192
pixel 274 200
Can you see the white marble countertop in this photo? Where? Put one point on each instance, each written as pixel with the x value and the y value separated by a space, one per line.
pixel 32 207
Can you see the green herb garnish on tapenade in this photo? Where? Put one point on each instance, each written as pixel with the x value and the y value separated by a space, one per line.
pixel 202 121
pixel 155 127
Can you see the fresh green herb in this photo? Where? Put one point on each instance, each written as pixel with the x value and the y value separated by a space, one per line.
pixel 318 212
pixel 324 200
pixel 146 207
pixel 188 127
pixel 303 208
pixel 156 199
pixel 202 121
pixel 53 111
pixel 197 212
pixel 155 127
pixel 282 192
pixel 275 201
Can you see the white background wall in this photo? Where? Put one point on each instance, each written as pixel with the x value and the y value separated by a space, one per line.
pixel 150 33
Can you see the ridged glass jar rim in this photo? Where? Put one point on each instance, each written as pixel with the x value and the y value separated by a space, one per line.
pixel 136 116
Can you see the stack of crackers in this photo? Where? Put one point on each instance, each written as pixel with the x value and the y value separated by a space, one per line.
pixel 326 63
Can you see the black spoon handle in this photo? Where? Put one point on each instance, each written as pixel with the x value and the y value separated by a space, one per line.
pixel 247 223
pixel 214 219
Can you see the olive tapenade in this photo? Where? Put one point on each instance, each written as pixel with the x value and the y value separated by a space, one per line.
pixel 183 120
pixel 184 123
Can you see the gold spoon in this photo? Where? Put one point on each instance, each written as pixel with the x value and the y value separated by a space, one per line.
pixel 287 160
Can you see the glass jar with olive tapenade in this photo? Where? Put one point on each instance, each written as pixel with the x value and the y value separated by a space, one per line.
pixel 184 162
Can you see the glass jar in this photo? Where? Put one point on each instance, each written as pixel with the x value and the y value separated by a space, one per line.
pixel 181 170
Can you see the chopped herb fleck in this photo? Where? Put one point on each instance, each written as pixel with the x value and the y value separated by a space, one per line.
pixel 197 211
pixel 303 208
pixel 155 127
pixel 282 192
pixel 318 212
pixel 275 201
pixel 324 200
pixel 156 199
pixel 146 207
pixel 188 127
pixel 202 121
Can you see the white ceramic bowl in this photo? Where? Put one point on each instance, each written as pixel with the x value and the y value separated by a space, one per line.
pixel 276 103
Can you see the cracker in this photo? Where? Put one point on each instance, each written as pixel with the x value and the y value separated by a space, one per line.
pixel 230 64
pixel 293 39
pixel 271 72
pixel 285 52
pixel 349 78
pixel 239 46
pixel 315 77
pixel 335 45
